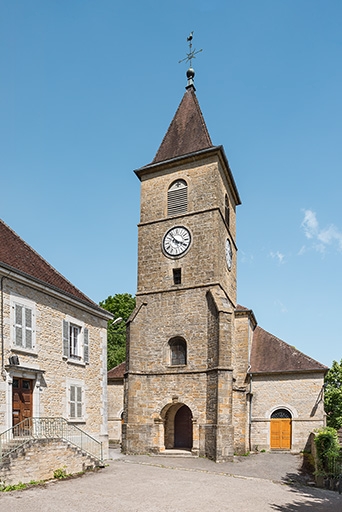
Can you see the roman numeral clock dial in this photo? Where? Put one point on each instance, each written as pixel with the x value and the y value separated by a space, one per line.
pixel 176 241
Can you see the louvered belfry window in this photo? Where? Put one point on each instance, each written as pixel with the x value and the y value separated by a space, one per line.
pixel 177 198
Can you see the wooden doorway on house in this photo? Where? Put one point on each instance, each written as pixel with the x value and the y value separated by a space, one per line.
pixel 21 400
pixel 183 428
pixel 281 430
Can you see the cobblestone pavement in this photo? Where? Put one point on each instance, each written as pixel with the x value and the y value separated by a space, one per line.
pixel 258 483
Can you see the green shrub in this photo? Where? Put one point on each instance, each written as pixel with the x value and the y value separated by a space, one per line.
pixel 328 452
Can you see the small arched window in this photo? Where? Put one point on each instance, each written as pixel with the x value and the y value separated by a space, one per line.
pixel 281 414
pixel 177 198
pixel 177 351
pixel 226 210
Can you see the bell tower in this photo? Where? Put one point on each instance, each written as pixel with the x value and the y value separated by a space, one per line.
pixel 180 341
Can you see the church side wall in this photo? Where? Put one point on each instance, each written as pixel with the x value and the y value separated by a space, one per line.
pixel 300 394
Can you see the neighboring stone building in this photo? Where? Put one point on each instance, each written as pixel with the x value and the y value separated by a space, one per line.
pixel 200 374
pixel 115 379
pixel 53 344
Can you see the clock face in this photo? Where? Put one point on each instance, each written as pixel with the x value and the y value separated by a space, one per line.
pixel 176 241
pixel 229 254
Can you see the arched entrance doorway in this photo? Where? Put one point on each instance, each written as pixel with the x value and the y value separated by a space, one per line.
pixel 183 428
pixel 177 426
pixel 281 430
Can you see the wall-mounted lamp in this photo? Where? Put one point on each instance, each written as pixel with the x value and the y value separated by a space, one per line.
pixel 13 360
pixel 116 321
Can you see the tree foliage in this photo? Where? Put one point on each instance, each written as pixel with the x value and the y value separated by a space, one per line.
pixel 121 305
pixel 333 395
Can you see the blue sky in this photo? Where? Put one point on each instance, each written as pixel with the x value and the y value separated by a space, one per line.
pixel 87 91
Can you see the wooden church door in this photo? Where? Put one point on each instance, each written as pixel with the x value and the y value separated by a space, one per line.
pixel 183 428
pixel 21 400
pixel 281 430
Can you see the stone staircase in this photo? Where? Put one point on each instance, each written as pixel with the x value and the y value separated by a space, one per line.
pixel 32 429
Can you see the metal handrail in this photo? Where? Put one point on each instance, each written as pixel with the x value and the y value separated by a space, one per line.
pixel 48 428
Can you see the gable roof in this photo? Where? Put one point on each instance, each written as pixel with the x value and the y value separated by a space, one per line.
pixel 272 355
pixel 117 373
pixel 16 254
pixel 187 132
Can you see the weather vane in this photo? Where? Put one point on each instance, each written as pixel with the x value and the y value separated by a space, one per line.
pixel 192 52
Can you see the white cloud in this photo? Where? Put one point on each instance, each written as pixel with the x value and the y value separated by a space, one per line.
pixel 321 238
pixel 280 306
pixel 310 224
pixel 278 255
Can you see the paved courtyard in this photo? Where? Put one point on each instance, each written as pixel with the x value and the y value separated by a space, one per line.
pixel 258 483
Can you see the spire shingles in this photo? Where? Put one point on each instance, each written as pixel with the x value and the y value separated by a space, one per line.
pixel 187 132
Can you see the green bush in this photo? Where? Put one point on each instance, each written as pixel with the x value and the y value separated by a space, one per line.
pixel 328 452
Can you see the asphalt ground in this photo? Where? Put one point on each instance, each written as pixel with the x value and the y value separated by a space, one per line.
pixel 257 483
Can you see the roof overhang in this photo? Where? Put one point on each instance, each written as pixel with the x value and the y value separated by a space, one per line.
pixel 288 372
pixel 12 273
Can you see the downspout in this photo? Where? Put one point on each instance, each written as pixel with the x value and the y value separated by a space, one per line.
pixel 3 372
pixel 250 387
pixel 250 410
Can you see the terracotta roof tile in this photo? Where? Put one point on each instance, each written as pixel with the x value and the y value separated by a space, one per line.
pixel 187 132
pixel 270 354
pixel 18 255
pixel 117 372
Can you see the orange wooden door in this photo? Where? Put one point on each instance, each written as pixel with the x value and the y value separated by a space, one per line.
pixel 280 434
pixel 21 399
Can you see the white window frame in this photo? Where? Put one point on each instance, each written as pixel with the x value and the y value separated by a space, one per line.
pixel 75 341
pixel 26 325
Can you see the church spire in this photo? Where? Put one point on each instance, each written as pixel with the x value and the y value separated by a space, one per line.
pixel 187 132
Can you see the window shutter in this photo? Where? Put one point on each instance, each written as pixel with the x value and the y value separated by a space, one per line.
pixel 18 325
pixel 72 402
pixel 86 346
pixel 79 402
pixel 28 328
pixel 66 340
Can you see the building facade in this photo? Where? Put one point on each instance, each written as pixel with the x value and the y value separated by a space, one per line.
pixel 53 344
pixel 190 362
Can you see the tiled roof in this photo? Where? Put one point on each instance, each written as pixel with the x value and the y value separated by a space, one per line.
pixel 18 255
pixel 270 354
pixel 187 132
pixel 117 372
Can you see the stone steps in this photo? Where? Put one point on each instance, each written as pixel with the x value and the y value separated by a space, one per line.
pixel 175 453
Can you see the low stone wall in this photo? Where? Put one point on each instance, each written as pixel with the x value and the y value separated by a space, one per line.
pixel 40 458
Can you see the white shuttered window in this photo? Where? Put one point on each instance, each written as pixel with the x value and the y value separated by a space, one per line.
pixel 76 406
pixel 23 326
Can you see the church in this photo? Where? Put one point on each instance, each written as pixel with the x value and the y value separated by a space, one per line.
pixel 200 374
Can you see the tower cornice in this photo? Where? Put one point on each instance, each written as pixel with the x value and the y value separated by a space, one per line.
pixel 157 167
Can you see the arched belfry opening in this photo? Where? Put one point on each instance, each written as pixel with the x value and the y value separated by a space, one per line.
pixel 178 423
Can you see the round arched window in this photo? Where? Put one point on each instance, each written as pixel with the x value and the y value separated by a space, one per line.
pixel 177 198
pixel 281 414
pixel 177 351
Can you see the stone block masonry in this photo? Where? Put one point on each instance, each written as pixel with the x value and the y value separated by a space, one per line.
pixel 40 458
